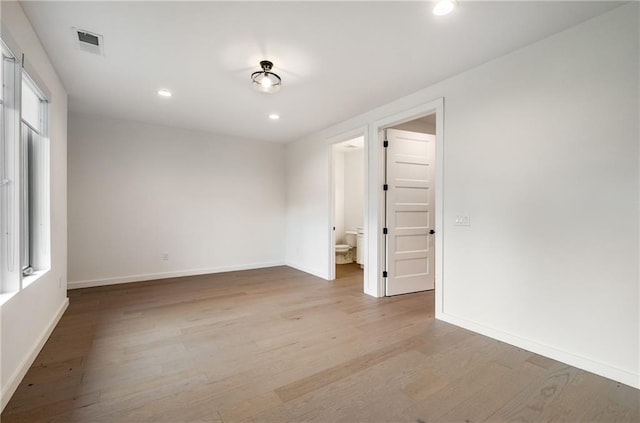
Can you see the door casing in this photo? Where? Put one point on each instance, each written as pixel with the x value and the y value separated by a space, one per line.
pixel 376 176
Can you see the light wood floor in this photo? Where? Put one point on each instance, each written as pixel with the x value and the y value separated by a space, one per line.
pixel 277 345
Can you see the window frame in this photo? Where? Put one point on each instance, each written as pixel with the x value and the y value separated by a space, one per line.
pixel 34 187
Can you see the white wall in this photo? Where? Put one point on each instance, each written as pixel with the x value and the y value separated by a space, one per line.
pixel 541 150
pixel 137 191
pixel 28 316
pixel 348 176
pixel 339 196
pixel 308 240
pixel 353 189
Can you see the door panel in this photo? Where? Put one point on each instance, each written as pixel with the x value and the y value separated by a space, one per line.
pixel 411 219
pixel 410 212
pixel 409 195
pixel 412 243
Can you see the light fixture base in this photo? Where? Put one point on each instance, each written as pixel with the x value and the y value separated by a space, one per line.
pixel 266 65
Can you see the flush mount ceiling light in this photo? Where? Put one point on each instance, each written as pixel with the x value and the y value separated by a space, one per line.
pixel 444 7
pixel 164 93
pixel 266 81
pixel 274 116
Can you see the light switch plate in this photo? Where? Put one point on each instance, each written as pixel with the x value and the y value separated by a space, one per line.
pixel 463 220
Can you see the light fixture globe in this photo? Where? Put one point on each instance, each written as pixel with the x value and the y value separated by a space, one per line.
pixel 266 81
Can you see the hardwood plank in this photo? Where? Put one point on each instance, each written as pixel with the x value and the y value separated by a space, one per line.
pixel 318 380
pixel 538 399
pixel 499 391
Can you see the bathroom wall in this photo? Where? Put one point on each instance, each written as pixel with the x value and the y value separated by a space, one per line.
pixel 338 205
pixel 348 173
pixel 353 189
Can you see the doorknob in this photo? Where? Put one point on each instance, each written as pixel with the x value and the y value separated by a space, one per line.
pixel 431 232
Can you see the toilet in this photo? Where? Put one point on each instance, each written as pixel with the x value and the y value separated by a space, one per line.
pixel 345 252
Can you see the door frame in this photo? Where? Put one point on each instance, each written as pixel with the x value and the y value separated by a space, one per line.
pixel 376 133
pixel 331 142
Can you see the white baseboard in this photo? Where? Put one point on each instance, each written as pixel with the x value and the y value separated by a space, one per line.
pixel 166 275
pixel 21 371
pixel 580 362
pixel 309 270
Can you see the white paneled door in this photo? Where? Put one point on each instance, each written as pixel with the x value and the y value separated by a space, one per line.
pixel 410 218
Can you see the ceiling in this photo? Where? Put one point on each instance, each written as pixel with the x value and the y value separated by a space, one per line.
pixel 336 59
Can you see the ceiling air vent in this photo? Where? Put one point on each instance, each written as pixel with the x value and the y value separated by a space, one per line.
pixel 89 42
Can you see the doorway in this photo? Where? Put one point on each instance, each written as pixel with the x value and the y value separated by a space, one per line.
pixel 375 248
pixel 348 208
pixel 409 206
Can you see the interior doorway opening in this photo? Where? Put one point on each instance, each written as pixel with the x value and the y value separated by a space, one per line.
pixel 375 254
pixel 348 169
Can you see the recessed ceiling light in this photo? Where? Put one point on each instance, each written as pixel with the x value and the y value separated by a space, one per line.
pixel 164 93
pixel 444 7
pixel 274 116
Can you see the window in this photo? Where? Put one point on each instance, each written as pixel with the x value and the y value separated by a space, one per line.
pixel 24 177
pixel 9 165
pixel 34 179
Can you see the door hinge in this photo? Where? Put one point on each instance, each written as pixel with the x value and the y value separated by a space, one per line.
pixel 385 187
pixel 385 143
pixel 384 274
pixel 385 231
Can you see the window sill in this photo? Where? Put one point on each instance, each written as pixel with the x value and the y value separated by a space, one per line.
pixel 28 280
